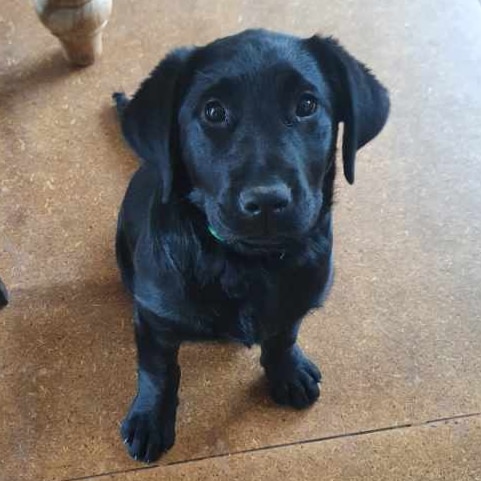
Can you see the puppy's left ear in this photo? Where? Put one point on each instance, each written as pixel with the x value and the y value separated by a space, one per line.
pixel 148 118
pixel 360 100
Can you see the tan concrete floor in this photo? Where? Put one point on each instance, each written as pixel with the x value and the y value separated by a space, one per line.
pixel 399 340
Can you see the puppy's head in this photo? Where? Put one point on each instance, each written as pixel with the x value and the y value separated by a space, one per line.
pixel 250 123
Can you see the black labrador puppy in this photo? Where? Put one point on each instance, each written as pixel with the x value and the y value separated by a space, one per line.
pixel 225 231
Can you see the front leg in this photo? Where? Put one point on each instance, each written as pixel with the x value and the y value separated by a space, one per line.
pixel 293 378
pixel 148 430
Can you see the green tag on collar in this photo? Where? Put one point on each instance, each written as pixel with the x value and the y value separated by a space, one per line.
pixel 214 234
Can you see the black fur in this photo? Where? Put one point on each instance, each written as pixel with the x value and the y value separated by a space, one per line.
pixel 202 263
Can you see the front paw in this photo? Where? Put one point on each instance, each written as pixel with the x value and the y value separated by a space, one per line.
pixel 293 379
pixel 149 431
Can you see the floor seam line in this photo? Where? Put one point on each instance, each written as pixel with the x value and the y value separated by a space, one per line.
pixel 283 445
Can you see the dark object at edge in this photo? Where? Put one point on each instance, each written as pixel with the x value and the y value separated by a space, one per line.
pixel 3 295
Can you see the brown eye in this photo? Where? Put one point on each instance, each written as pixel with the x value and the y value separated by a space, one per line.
pixel 306 106
pixel 214 112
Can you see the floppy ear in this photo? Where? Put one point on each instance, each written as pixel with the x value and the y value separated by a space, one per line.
pixel 148 118
pixel 361 102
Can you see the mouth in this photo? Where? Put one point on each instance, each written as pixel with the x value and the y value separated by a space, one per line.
pixel 259 245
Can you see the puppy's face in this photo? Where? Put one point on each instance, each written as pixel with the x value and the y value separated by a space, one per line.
pixel 249 123
pixel 256 136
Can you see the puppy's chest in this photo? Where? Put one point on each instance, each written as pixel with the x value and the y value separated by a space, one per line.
pixel 223 316
pixel 248 306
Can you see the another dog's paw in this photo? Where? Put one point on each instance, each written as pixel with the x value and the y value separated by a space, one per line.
pixel 148 432
pixel 293 379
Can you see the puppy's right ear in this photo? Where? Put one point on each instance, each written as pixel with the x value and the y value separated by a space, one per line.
pixel 148 118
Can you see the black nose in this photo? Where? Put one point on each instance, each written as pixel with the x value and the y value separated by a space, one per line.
pixel 272 199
